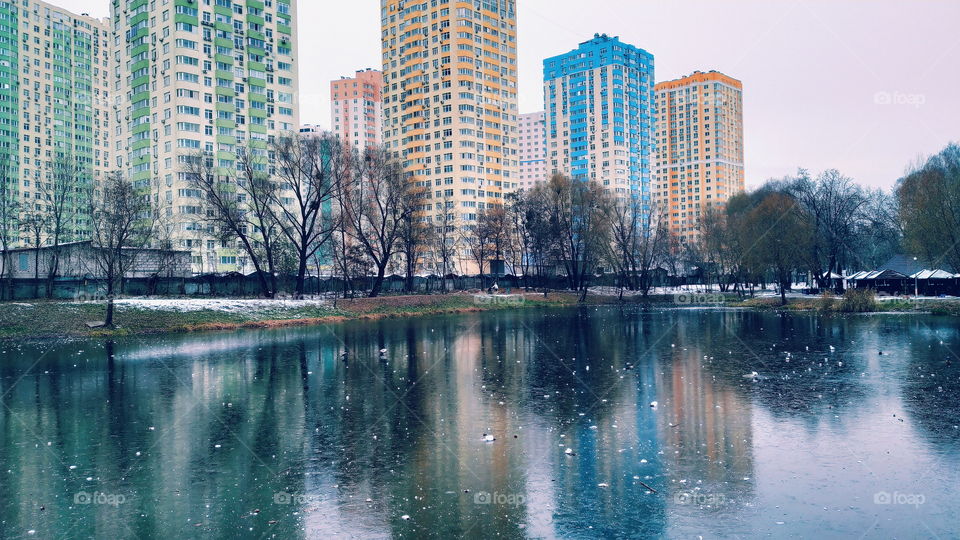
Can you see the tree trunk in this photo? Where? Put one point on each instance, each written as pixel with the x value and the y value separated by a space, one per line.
pixel 301 277
pixel 378 281
pixel 108 321
pixel 409 284
pixel 36 269
pixel 9 268
pixel 264 286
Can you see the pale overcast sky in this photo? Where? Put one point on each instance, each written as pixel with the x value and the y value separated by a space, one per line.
pixel 865 87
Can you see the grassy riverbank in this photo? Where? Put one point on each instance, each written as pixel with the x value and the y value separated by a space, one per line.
pixel 936 306
pixel 42 319
pixel 51 319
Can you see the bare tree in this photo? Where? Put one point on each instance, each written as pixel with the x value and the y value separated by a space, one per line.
pixel 375 207
pixel 238 205
pixel 534 233
pixel 33 223
pixel 501 234
pixel 516 215
pixel 716 244
pixel 638 239
pixel 121 221
pixel 65 195
pixel 309 172
pixel 477 238
pixel 414 240
pixel 164 258
pixel 9 219
pixel 444 239
pixel 835 203
pixel 577 213
pixel 625 232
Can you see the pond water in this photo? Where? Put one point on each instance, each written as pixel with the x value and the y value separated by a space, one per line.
pixel 765 425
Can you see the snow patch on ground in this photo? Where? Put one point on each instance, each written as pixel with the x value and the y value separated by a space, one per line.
pixel 228 305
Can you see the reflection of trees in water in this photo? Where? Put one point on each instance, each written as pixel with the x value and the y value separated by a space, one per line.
pixel 309 422
pixel 97 407
pixel 811 383
pixel 400 440
pixel 560 347
pixel 931 385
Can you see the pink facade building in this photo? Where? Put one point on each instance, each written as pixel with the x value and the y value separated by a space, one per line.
pixel 356 106
pixel 533 149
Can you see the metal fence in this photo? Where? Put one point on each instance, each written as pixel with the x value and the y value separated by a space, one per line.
pixel 238 285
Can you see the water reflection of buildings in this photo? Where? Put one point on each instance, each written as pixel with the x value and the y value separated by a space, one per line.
pixel 705 428
pixel 291 417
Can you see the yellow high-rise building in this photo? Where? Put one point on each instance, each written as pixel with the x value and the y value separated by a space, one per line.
pixel 700 147
pixel 450 102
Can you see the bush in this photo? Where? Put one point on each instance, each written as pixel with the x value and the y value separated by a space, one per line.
pixel 859 301
pixel 827 301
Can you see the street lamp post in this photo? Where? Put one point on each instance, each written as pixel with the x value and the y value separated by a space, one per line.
pixel 916 286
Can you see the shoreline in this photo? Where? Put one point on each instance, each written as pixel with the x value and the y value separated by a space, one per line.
pixel 68 320
pixel 64 320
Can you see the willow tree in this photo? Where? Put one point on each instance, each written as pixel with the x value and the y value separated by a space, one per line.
pixel 779 233
pixel 929 201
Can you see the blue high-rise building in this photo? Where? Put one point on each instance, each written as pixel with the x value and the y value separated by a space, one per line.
pixel 600 115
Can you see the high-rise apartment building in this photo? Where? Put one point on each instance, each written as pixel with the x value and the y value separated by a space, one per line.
pixel 600 115
pixel 211 76
pixel 532 137
pixel 356 109
pixel 450 100
pixel 54 110
pixel 700 158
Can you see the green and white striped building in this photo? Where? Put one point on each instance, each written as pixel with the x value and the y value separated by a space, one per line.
pixel 55 102
pixel 200 75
